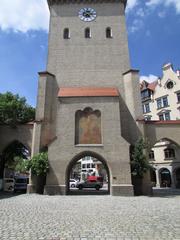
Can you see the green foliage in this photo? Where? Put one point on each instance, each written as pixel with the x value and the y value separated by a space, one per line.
pixel 21 165
pixel 14 109
pixel 39 164
pixel 139 162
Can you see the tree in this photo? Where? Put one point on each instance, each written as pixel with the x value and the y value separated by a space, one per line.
pixel 139 162
pixel 14 109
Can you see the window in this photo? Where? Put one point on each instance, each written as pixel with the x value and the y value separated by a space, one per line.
pixel 169 153
pixel 93 165
pixel 165 101
pixel 84 166
pixel 178 97
pixel 145 94
pixel 164 116
pixel 146 108
pixel 108 32
pixel 170 85
pixel 162 102
pixel 66 33
pixel 87 33
pixel 161 117
pixel 151 155
pixel 167 116
pixel 147 117
pixel 159 104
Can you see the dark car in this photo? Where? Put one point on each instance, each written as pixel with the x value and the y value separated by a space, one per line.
pixel 90 184
pixel 20 184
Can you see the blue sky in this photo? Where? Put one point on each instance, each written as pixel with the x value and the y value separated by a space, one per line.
pixel 153 33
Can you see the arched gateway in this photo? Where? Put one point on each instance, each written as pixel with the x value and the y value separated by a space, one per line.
pixel 84 160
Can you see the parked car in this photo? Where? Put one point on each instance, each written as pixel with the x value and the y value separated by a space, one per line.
pixel 8 184
pixel 90 184
pixel 73 183
pixel 21 183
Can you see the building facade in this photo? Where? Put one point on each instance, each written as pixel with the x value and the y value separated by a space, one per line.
pixel 161 101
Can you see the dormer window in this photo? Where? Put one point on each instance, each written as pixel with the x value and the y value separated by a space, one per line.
pixel 169 153
pixel 151 155
pixel 145 94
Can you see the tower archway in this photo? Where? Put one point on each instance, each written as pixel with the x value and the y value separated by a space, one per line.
pixel 87 173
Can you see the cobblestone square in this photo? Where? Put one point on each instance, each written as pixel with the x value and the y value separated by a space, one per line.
pixel 40 217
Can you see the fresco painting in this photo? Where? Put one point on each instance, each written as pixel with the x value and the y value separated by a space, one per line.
pixel 88 127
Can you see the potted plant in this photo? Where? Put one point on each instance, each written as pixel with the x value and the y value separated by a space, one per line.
pixel 139 165
pixel 39 166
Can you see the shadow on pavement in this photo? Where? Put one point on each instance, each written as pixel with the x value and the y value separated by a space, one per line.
pixel 4 195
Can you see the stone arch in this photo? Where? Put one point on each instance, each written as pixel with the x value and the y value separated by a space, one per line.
pixel 163 139
pixel 25 144
pixel 22 133
pixel 13 149
pixel 155 131
pixel 78 157
pixel 165 177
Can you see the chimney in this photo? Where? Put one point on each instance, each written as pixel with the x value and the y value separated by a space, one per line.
pixel 167 66
pixel 178 73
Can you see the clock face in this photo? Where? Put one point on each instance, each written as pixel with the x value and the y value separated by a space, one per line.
pixel 87 14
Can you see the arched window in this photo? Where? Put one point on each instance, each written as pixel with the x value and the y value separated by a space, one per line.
pixel 88 126
pixel 169 153
pixel 66 34
pixel 108 32
pixel 165 177
pixel 87 33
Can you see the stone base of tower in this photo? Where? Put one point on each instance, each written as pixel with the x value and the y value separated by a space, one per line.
pixel 55 189
pixel 122 190
pixel 116 190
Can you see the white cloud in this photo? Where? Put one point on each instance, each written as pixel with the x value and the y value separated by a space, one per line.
pixel 162 14
pixel 150 78
pixel 167 3
pixel 131 4
pixel 140 12
pixel 136 25
pixel 24 15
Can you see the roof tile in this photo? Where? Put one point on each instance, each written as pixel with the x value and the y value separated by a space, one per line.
pixel 88 92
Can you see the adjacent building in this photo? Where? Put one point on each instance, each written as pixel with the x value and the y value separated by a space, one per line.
pixel 161 101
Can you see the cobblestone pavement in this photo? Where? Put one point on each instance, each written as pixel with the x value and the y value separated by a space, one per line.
pixel 26 217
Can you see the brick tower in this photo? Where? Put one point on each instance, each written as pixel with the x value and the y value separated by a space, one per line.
pixel 88 75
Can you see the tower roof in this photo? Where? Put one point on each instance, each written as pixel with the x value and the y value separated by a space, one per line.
pixel 51 2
